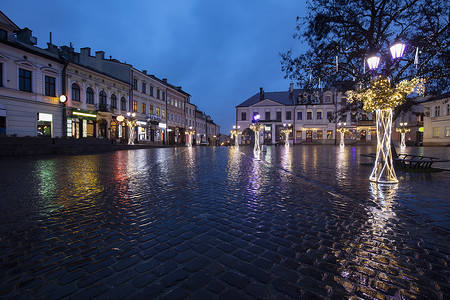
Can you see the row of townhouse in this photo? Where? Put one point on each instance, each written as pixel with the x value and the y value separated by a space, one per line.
pixel 317 117
pixel 58 92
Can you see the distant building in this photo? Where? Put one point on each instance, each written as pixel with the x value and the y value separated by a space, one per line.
pixel 436 129
pixel 313 117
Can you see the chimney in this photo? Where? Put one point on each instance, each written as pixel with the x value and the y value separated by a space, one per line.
pixel 24 36
pixel 261 94
pixel 144 71
pixel 100 54
pixel 85 52
pixel 52 48
pixel 291 91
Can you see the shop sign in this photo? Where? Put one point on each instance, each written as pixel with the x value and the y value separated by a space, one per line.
pixel 84 114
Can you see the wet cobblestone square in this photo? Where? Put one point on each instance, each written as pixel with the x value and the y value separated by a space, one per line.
pixel 216 223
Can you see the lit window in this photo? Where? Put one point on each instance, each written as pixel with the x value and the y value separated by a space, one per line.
pixel 328 99
pixel 144 108
pixel 309 115
pixel 435 132
pixel 319 115
pixel 329 134
pixel 157 111
pixel 447 131
pixel 135 104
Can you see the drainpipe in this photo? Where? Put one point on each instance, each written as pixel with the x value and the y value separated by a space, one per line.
pixel 63 92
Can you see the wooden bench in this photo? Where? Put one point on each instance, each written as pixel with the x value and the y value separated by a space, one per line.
pixel 411 161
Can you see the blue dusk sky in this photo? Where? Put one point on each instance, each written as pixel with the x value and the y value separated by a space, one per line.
pixel 220 52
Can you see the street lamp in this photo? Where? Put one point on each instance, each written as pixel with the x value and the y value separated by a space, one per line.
pixel 402 131
pixel 342 130
pixel 286 131
pixel 235 133
pixel 131 122
pixel 256 128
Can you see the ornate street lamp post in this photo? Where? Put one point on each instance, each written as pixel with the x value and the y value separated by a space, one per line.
pixel 256 127
pixel 382 97
pixel 286 131
pixel 342 130
pixel 235 133
pixel 131 123
pixel 402 131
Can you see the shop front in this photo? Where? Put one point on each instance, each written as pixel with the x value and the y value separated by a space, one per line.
pixel 82 124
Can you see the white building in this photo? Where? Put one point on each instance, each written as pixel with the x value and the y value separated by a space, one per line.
pixel 436 129
pixel 30 85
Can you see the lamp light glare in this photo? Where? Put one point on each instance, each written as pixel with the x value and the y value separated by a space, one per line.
pixel 120 118
pixel 373 62
pixel 62 98
pixel 397 50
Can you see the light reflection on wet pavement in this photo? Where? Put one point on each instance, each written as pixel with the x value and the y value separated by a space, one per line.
pixel 210 222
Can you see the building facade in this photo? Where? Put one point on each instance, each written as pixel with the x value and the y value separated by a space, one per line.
pixel 436 129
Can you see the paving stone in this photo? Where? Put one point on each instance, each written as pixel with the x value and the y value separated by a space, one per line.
pixel 174 277
pixel 196 264
pixel 197 281
pixel 234 279
pixel 176 293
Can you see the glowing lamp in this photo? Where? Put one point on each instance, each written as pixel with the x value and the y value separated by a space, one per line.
pixel 120 118
pixel 256 118
pixel 62 98
pixel 373 62
pixel 397 50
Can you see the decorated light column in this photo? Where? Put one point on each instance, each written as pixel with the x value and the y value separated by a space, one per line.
pixel 256 128
pixel 342 130
pixel 235 133
pixel 131 123
pixel 382 96
pixel 402 131
pixel 190 133
pixel 286 131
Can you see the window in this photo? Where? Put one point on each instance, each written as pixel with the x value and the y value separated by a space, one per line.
pixel 102 98
pixel 158 94
pixel 288 115
pixel 437 111
pixel 320 134
pixel 144 108
pixel 1 73
pixel 267 117
pixel 24 80
pixel 75 92
pixel 50 86
pixel 89 96
pixel 327 99
pixel 330 116
pixel 329 134
pixel 316 98
pixel 123 104
pixel 163 113
pixel 435 132
pixel 151 91
pixel 163 96
pixel 151 109
pixel 144 88
pixel 448 105
pixel 3 34
pixel 319 115
pixel 278 116
pixel 447 131
pixel 134 84
pixel 135 104
pixel 299 115
pixel 353 118
pixel 243 116
pixel 309 115
pixel 157 111
pixel 344 118
pixel 113 101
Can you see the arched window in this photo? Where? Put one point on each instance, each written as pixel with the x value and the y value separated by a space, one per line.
pixel 75 92
pixel 123 104
pixel 102 98
pixel 89 96
pixel 113 101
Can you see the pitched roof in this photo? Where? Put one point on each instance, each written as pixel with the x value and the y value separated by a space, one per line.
pixel 279 97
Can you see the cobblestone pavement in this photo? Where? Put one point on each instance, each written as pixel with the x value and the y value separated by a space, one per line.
pixel 212 223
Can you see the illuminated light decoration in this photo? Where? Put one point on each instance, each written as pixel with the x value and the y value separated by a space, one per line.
pixel 120 118
pixel 62 98
pixel 382 98
pixel 256 128
pixel 373 62
pixel 131 123
pixel 190 133
pixel 402 131
pixel 420 129
pixel 286 131
pixel 342 130
pixel 235 133
pixel 397 50
pixel 81 114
